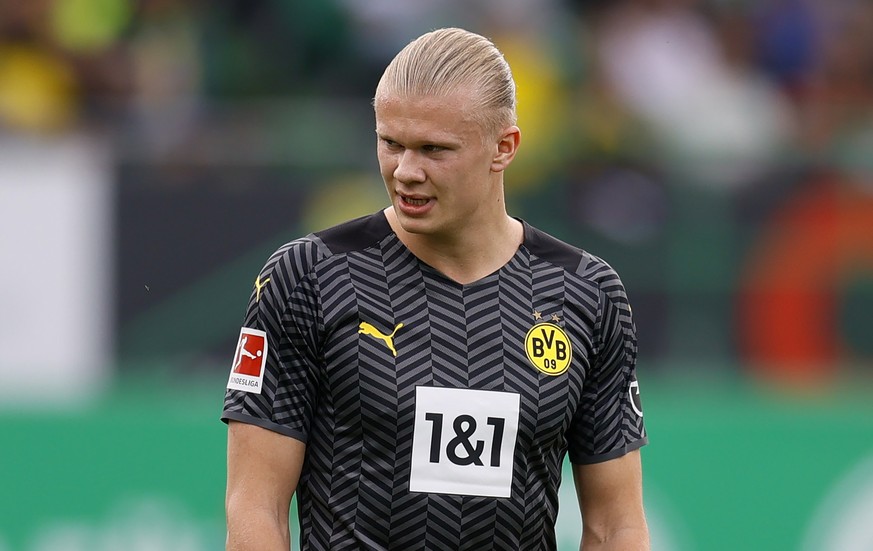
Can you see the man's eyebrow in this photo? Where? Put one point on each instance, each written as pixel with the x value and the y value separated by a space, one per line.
pixel 447 142
pixel 385 137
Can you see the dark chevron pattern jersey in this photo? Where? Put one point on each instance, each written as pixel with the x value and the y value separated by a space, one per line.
pixel 436 415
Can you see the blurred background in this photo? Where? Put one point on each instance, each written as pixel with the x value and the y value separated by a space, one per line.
pixel 153 153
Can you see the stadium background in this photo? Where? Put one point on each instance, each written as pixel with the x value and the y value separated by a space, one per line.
pixel 719 153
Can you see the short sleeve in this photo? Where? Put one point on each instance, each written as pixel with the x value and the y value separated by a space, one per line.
pixel 609 420
pixel 284 308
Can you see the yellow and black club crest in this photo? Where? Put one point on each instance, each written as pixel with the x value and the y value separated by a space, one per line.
pixel 548 348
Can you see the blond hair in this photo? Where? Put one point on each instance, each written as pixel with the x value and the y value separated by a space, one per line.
pixel 442 61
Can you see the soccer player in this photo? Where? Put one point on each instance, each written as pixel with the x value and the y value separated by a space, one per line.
pixel 419 374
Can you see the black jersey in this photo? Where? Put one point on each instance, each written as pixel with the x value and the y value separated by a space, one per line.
pixel 436 415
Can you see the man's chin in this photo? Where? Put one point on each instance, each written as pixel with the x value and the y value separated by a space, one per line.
pixel 415 227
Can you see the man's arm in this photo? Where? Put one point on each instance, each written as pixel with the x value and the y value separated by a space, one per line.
pixel 263 468
pixel 611 500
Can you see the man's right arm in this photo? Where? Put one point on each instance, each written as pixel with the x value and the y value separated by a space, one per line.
pixel 263 468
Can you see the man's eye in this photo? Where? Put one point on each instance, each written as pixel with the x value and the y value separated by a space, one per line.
pixel 430 148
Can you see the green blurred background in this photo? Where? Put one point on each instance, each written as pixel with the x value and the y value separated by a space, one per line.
pixel 719 153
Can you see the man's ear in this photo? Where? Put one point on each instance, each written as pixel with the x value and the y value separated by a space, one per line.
pixel 507 146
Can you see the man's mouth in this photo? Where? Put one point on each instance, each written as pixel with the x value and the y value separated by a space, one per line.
pixel 414 201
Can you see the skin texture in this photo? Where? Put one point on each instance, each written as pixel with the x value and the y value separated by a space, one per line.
pixel 263 468
pixel 611 501
pixel 431 151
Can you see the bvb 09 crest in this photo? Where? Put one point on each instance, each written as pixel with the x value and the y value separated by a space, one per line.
pixel 548 348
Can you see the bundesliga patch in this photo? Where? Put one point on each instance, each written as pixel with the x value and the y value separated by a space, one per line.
pixel 247 373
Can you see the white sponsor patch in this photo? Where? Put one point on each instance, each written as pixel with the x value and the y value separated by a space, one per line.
pixel 247 372
pixel 464 441
pixel 633 392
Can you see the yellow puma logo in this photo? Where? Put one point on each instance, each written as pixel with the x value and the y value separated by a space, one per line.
pixel 368 329
pixel 259 286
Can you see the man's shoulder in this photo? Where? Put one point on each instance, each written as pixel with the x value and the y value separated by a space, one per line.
pixel 571 258
pixel 298 257
pixel 354 235
pixel 588 269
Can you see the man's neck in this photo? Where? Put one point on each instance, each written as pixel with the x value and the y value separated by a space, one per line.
pixel 465 258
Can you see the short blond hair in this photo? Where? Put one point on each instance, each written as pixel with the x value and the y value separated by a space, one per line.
pixel 442 61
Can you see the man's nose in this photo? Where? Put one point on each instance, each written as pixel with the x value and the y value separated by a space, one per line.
pixel 409 168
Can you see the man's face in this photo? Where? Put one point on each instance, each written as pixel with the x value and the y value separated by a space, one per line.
pixel 436 163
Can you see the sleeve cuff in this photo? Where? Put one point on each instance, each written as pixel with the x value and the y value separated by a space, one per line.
pixel 581 459
pixel 263 423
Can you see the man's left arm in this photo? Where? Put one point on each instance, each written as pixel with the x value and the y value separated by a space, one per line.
pixel 611 501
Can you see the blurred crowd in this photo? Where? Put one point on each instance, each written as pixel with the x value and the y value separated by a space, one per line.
pixel 726 83
pixel 732 77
